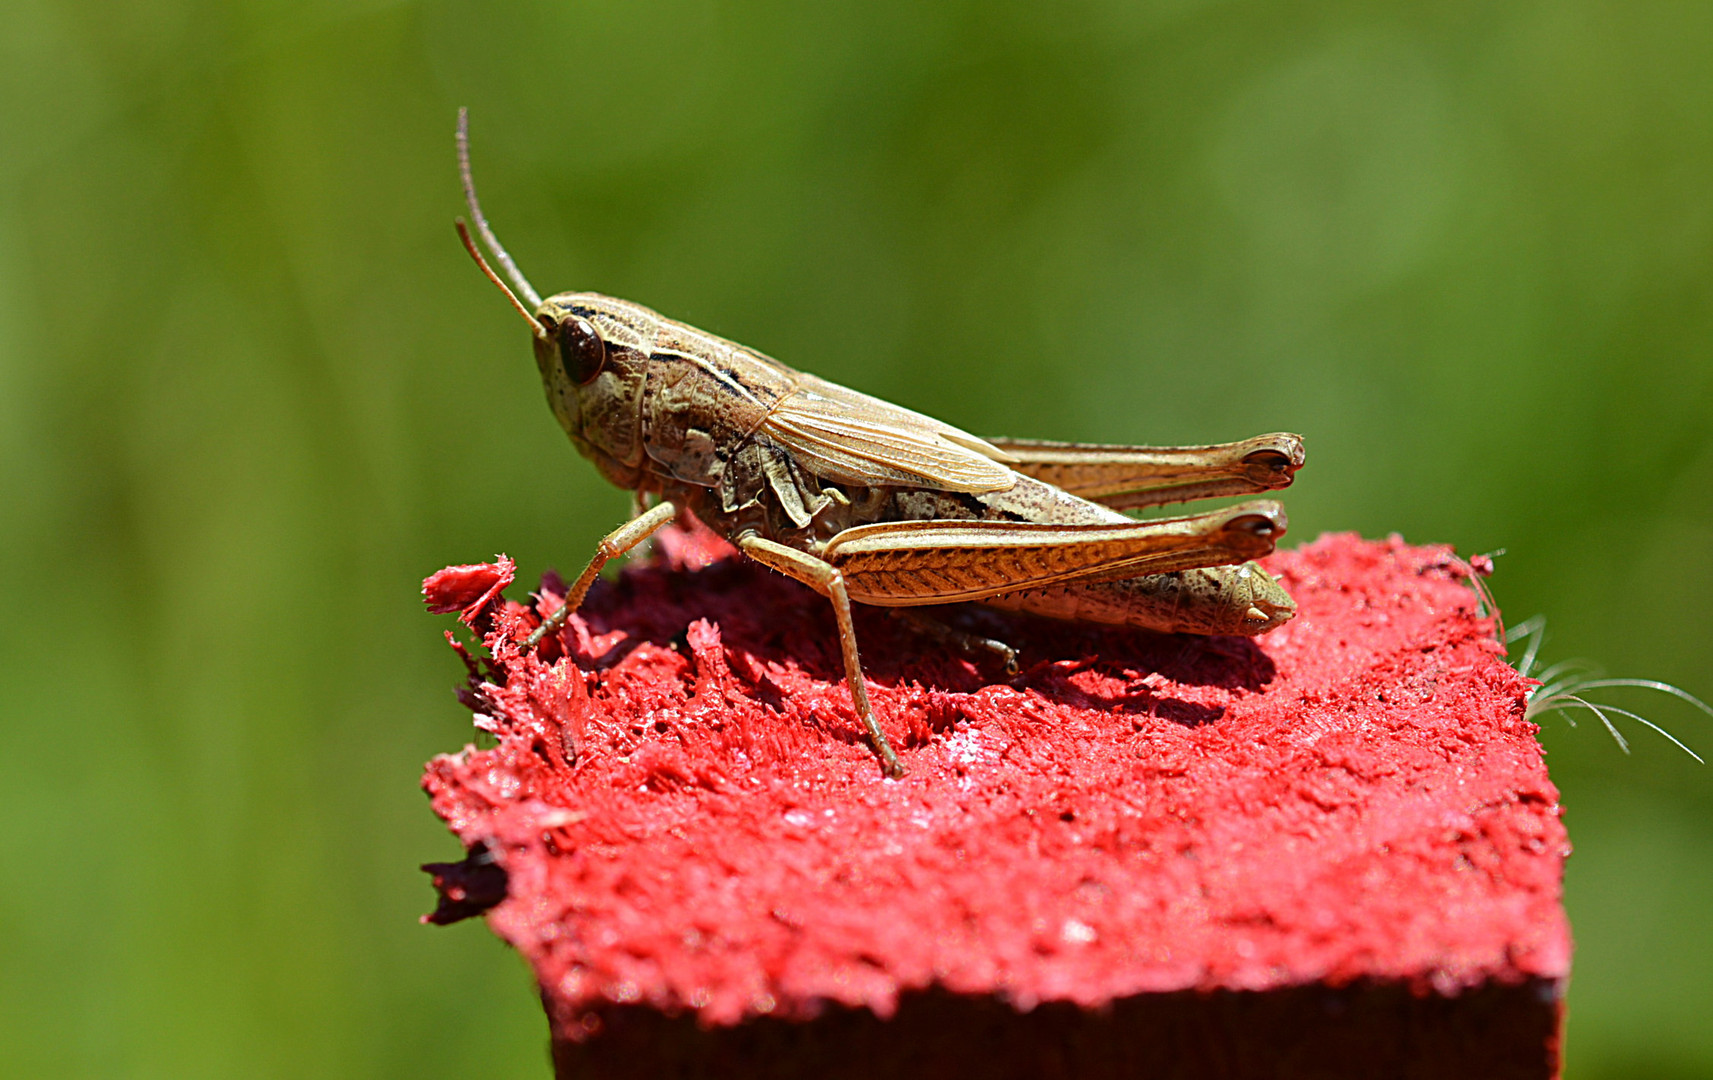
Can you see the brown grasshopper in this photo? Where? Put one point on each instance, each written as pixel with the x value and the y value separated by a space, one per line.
pixel 865 501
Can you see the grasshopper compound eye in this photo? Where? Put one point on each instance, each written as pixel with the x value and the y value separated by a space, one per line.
pixel 581 349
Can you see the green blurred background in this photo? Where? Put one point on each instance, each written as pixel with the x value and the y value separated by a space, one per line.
pixel 252 390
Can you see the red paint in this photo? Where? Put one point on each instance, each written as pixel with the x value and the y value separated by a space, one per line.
pixel 467 589
pixel 690 821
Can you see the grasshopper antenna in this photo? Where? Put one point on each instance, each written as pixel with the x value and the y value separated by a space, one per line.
pixel 488 237
pixel 476 253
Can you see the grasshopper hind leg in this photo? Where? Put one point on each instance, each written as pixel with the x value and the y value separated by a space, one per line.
pixel 972 646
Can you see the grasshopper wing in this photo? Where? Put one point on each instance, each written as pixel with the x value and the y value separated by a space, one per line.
pixel 852 438
pixel 905 563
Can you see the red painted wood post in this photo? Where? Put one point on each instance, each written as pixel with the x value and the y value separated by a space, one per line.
pixel 1331 851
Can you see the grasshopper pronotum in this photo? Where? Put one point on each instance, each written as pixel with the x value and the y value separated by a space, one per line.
pixel 865 501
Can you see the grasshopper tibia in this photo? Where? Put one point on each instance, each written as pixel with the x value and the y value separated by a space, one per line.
pixel 829 582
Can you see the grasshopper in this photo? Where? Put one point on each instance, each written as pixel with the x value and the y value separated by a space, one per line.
pixel 867 502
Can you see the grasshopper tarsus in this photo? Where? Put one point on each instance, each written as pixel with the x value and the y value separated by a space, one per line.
pixel 865 501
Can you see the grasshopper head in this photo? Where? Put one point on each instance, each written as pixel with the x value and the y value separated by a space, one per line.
pixel 593 357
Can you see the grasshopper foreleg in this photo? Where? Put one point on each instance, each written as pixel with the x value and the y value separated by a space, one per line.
pixel 830 583
pixel 644 550
pixel 614 544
